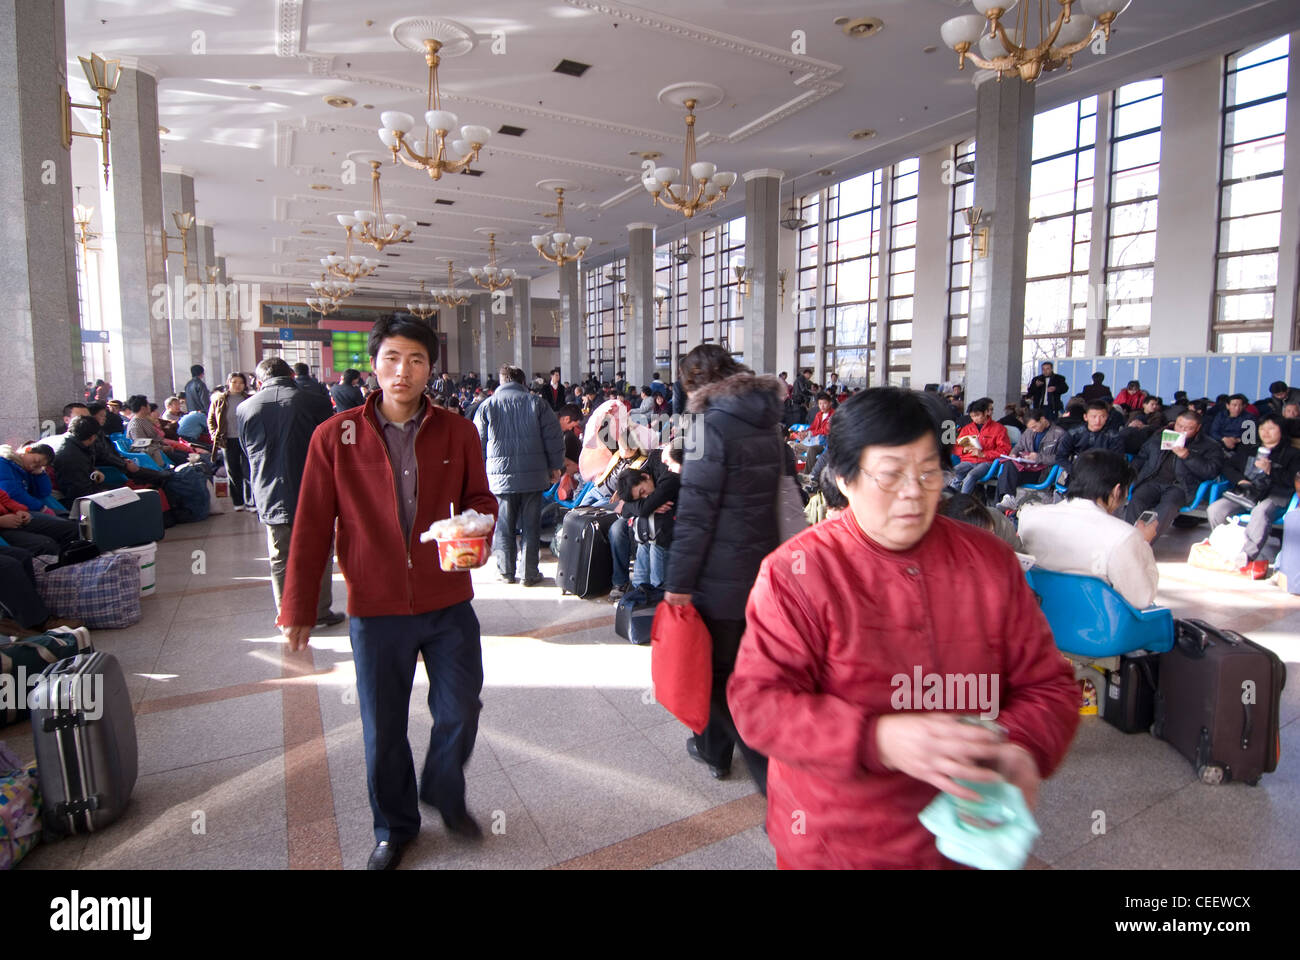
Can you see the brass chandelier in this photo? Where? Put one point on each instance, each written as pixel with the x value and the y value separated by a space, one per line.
pixel 323 305
pixel 704 185
pixel 374 226
pixel 449 296
pixel 1078 25
pixel 560 247
pixel 422 310
pixel 350 266
pixel 333 289
pixel 492 277
pixel 431 153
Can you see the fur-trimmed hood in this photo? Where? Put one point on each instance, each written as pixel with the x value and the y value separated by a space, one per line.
pixel 753 398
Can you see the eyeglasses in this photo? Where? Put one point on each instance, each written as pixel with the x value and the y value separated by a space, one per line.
pixel 891 481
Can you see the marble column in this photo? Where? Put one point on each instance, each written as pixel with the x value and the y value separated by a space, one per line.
pixel 573 333
pixel 133 223
pixel 1004 122
pixel 762 238
pixel 178 197
pixel 216 355
pixel 521 309
pixel 640 324
pixel 464 323
pixel 486 342
pixel 40 365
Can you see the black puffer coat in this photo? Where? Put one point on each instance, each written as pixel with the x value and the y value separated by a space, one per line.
pixel 726 524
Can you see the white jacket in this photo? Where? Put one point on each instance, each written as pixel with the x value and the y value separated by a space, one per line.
pixel 1078 536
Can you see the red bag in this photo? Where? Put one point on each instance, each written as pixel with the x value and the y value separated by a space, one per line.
pixel 681 663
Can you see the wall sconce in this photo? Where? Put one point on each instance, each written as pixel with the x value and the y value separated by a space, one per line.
pixel 213 274
pixel 629 307
pixel 556 321
pixel 660 300
pixel 81 215
pixel 743 275
pixel 103 76
pixel 979 235
pixel 780 284
pixel 184 222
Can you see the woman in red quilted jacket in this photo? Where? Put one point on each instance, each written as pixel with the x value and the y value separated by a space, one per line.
pixel 850 625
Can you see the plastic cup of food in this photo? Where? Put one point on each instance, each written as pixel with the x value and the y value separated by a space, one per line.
pixel 463 553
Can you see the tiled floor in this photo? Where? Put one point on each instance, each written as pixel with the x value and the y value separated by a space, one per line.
pixel 251 757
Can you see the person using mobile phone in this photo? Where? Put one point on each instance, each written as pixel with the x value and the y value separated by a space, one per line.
pixel 1081 534
pixel 1266 492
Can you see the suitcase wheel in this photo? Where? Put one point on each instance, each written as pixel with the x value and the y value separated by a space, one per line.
pixel 1211 774
pixel 1253 783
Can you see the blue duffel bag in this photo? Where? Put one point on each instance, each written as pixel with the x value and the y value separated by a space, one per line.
pixel 187 490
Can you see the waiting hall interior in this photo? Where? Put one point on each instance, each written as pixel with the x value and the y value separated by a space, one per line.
pixel 1067 231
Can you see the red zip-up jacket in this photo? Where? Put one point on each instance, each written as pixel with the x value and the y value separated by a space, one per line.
pixel 836 624
pixel 353 482
pixel 993 438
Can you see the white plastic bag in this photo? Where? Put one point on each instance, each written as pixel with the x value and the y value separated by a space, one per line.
pixel 1228 540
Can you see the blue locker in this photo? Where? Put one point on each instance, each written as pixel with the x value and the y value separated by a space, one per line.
pixel 1148 374
pixel 1219 377
pixel 1123 373
pixel 1065 367
pixel 1106 365
pixel 1195 370
pixel 1171 378
pixel 1271 368
pixel 1245 376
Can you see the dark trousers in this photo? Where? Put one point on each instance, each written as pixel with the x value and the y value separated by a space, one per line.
pixel 42 534
pixel 1012 478
pixel 720 737
pixel 1234 467
pixel 1166 501
pixel 516 511
pixel 241 490
pixel 18 588
pixel 384 650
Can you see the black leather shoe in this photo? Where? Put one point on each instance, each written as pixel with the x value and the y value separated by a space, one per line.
pixel 533 581
pixel 505 579
pixel 719 773
pixel 386 855
pixel 463 825
pixel 330 619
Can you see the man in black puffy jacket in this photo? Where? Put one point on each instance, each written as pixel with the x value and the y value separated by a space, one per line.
pixel 1167 479
pixel 734 460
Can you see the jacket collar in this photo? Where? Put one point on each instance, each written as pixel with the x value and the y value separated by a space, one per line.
pixel 369 409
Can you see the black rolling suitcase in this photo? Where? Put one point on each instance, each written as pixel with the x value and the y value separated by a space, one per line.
pixel 1218 703
pixel 586 568
pixel 1129 700
pixel 84 728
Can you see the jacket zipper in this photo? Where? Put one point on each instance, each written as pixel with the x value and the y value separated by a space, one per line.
pixel 410 565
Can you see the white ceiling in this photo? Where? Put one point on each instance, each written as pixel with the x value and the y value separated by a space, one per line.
pixel 255 154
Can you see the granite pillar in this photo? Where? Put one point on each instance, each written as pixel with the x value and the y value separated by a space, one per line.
pixel 573 333
pixel 762 230
pixel 639 326
pixel 521 310
pixel 178 197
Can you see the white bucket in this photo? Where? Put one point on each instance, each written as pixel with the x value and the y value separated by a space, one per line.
pixel 146 556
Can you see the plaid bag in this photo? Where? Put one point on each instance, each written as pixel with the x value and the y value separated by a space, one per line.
pixel 103 592
pixel 20 815
pixel 34 654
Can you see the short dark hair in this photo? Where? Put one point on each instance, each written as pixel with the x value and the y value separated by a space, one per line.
pixel 351 376
pixel 510 373
pixel 831 493
pixel 982 405
pixel 1191 414
pixel 671 453
pixel 196 370
pixel 1239 396
pixel 45 451
pixel 627 480
pixel 878 417
pixel 1075 408
pixel 570 410
pixel 964 508
pixel 139 403
pixel 274 367
pixel 555 369
pixel 1099 405
pixel 1095 473
pixel 74 405
pixel 1038 413
pixel 708 363
pixel 1277 386
pixel 299 369
pixel 1180 396
pixel 388 327
pixel 83 428
pixel 1098 377
pixel 647 392
pixel 1047 363
pixel 825 396
pixel 1274 418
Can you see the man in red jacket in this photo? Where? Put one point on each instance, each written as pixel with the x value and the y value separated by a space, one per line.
pixel 385 471
pixel 979 444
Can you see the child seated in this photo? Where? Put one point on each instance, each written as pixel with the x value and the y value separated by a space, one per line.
pixel 648 499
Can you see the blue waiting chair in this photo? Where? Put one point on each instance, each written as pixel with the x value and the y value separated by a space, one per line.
pixel 123 445
pixel 1089 618
pixel 1206 493
pixel 1047 482
pixel 551 495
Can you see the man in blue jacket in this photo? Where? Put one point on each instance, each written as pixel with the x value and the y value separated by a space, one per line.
pixel 1234 429
pixel 523 449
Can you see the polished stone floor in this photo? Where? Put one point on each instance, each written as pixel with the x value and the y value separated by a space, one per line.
pixel 251 757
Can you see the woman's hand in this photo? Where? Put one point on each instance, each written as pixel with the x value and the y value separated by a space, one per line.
pixel 677 599
pixel 939 749
pixel 1018 766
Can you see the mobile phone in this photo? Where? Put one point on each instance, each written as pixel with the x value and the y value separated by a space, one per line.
pixel 1148 516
